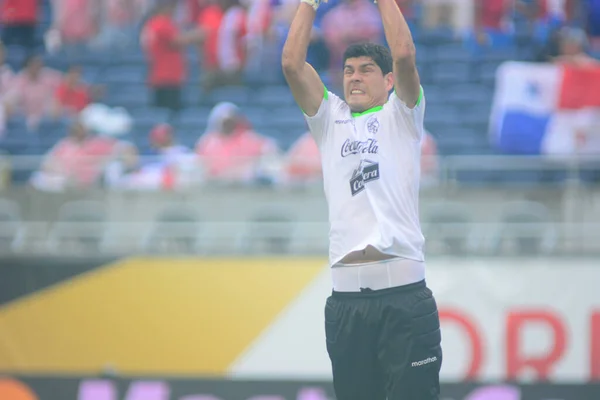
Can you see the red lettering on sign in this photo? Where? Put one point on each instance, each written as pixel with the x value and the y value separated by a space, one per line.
pixel 453 316
pixel 516 361
pixel 595 346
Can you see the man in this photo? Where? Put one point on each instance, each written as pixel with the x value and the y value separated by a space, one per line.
pixel 164 45
pixel 381 321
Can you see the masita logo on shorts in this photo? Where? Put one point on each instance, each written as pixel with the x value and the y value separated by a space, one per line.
pixel 369 146
pixel 428 360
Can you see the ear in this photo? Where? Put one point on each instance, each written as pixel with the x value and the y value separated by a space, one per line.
pixel 389 81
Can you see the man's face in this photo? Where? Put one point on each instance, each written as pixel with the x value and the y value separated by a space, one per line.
pixel 228 125
pixel 570 47
pixel 365 86
pixel 79 131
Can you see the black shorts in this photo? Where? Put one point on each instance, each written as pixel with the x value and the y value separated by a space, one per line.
pixel 384 344
pixel 167 97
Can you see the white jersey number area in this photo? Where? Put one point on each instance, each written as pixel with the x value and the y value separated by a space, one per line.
pixel 371 170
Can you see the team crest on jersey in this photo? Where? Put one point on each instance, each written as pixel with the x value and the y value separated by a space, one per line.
pixel 373 125
pixel 366 171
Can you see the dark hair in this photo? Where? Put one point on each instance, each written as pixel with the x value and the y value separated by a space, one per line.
pixel 379 54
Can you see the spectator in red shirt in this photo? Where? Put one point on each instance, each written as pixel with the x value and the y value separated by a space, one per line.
pixel 230 150
pixel 231 44
pixel 490 22
pixel 19 20
pixel 32 90
pixel 72 95
pixel 209 21
pixel 76 21
pixel 78 160
pixel 164 45
pixel 303 161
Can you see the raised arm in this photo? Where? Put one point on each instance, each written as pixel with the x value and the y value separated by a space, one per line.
pixel 402 47
pixel 304 82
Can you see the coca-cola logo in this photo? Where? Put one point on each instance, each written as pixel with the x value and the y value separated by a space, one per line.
pixel 368 146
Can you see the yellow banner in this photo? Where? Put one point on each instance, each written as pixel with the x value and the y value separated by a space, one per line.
pixel 151 316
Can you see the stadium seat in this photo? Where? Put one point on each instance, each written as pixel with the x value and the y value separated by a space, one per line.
pixel 271 96
pixel 256 115
pixel 175 231
pixel 12 229
pixel 269 231
pixel 128 95
pixel 450 52
pixel 447 227
pixel 451 73
pixel 195 119
pixel 238 95
pixel 438 36
pixel 468 95
pixel 150 115
pixel 15 57
pixel 79 228
pixel 135 57
pixel 441 118
pixel 524 228
pixel 487 72
pixel 124 74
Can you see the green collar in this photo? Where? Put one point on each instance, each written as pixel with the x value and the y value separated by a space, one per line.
pixel 369 111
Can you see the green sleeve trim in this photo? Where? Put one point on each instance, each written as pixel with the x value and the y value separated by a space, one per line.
pixel 325 96
pixel 420 97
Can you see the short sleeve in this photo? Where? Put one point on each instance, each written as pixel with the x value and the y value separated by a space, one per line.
pixel 413 117
pixel 318 124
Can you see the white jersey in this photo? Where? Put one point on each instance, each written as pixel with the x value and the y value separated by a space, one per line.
pixel 371 170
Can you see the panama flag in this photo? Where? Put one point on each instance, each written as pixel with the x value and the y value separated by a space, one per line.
pixel 546 109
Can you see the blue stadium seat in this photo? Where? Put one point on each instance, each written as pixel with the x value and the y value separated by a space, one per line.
pixel 128 95
pixel 442 116
pixel 271 96
pixel 134 57
pixel 125 74
pixel 256 115
pixel 13 145
pixel 235 94
pixel 477 117
pixel 451 52
pixel 284 138
pixel 437 36
pixel 468 95
pixel 56 62
pixel 477 178
pixel 87 57
pixel 188 137
pixel 15 56
pixel 286 117
pixel 145 118
pixel 425 54
pixel 194 119
pixel 451 73
pixel 499 55
pixel 487 72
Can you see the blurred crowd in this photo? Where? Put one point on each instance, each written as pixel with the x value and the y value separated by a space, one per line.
pixel 233 40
